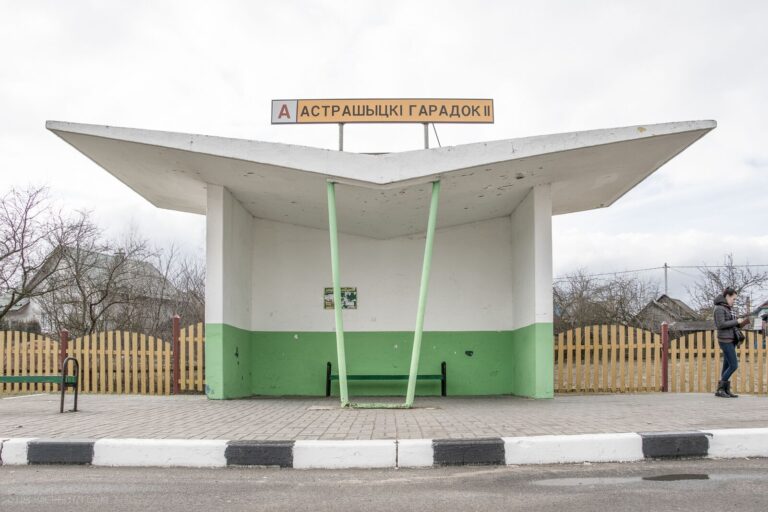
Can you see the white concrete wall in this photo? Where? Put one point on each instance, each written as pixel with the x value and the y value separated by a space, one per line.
pixel 531 226
pixel 229 248
pixel 470 286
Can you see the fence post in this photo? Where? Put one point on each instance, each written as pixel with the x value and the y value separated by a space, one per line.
pixel 176 350
pixel 664 357
pixel 63 345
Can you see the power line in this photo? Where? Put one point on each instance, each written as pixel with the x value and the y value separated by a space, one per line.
pixel 717 266
pixel 673 267
pixel 681 272
pixel 615 273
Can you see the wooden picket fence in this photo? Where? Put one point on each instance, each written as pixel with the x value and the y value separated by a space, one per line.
pixel 607 359
pixel 695 363
pixel 192 356
pixel 110 362
pixel 24 353
pixel 593 359
pixel 622 359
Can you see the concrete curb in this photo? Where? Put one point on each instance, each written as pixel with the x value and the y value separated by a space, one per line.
pixel 159 452
pixel 574 449
pixel 344 454
pixel 406 453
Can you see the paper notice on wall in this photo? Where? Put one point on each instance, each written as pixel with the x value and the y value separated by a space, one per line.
pixel 348 298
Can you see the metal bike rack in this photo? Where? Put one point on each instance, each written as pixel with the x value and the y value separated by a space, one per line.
pixel 69 380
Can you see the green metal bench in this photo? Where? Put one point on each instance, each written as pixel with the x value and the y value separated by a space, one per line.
pixel 64 380
pixel 442 377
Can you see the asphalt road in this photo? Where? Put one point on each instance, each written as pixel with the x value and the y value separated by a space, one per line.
pixel 696 485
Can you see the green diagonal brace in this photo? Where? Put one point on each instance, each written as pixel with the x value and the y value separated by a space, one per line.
pixel 332 229
pixel 425 268
pixel 417 335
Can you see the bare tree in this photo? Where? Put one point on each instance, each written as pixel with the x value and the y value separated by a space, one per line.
pixel 713 280
pixel 172 284
pixel 84 282
pixel 189 280
pixel 122 285
pixel 160 295
pixel 581 299
pixel 574 300
pixel 30 232
pixel 98 284
pixel 626 296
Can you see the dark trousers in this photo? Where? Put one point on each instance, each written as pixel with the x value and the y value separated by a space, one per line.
pixel 730 361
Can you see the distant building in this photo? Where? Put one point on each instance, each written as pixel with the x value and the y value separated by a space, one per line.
pixel 139 284
pixel 23 316
pixel 757 316
pixel 679 315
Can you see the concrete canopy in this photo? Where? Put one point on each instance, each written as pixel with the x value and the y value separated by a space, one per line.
pixel 387 195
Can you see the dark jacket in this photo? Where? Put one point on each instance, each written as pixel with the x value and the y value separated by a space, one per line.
pixel 725 321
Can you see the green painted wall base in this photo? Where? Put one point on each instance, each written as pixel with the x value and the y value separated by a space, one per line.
pixel 228 361
pixel 242 363
pixel 533 361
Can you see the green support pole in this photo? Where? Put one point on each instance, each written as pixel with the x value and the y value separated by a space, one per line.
pixel 332 229
pixel 426 266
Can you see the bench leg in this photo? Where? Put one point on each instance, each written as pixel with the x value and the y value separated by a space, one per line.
pixel 63 389
pixel 444 380
pixel 328 379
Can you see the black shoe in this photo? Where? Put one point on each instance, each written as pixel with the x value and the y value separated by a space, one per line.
pixel 721 390
pixel 728 390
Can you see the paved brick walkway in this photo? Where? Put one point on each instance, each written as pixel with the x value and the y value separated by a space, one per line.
pixel 196 417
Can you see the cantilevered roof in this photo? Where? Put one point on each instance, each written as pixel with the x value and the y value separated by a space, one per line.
pixel 386 195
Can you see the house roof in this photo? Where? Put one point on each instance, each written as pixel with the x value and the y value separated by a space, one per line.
pixel 5 298
pixel 675 309
pixel 95 265
pixel 681 306
pixel 383 195
pixel 760 308
pixel 143 275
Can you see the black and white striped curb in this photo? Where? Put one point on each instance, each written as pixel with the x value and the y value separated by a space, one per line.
pixel 405 453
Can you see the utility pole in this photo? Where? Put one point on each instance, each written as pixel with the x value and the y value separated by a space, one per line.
pixel 666 279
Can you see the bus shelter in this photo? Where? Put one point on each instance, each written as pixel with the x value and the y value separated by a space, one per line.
pixel 414 259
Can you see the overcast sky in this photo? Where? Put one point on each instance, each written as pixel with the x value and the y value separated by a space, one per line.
pixel 213 67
